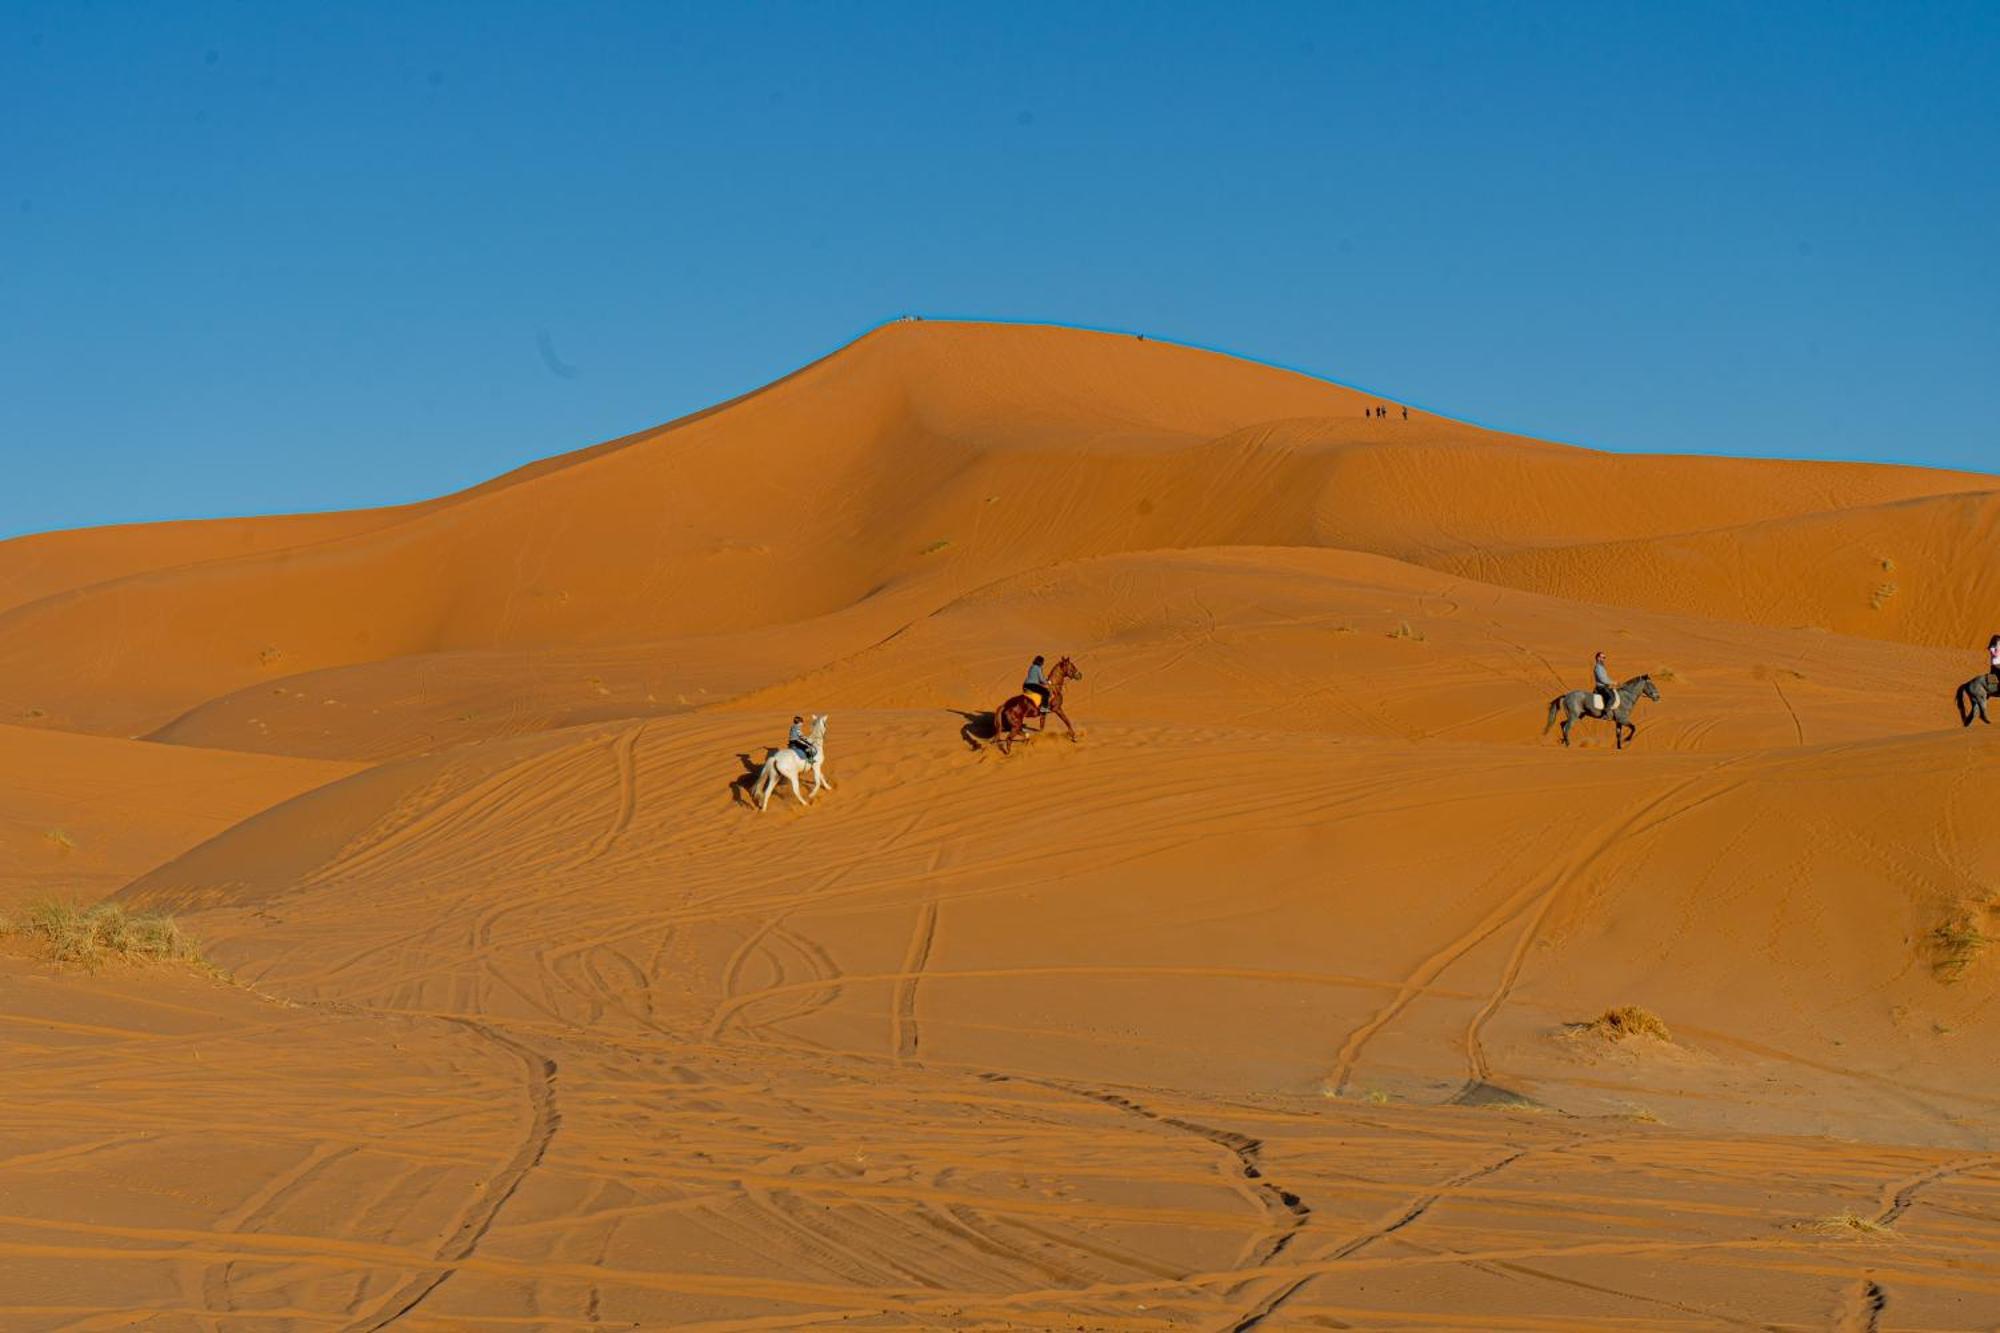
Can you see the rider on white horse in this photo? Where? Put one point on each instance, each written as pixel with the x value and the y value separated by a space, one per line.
pixel 1602 682
pixel 804 752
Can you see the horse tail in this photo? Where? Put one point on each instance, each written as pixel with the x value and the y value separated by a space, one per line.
pixel 1554 704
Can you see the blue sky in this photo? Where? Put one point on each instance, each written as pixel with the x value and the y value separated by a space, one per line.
pixel 257 258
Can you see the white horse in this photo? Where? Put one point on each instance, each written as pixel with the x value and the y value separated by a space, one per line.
pixel 789 763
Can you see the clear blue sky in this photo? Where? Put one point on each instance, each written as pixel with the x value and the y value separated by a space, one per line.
pixel 256 257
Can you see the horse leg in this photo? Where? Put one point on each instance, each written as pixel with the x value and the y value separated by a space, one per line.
pixel 766 779
pixel 1568 718
pixel 1065 721
pixel 797 795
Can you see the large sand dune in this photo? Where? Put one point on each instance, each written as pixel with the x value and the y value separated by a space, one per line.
pixel 1265 1005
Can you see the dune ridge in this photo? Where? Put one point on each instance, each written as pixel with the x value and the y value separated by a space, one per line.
pixel 1268 1003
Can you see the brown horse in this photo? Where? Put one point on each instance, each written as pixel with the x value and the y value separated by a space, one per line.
pixel 1010 720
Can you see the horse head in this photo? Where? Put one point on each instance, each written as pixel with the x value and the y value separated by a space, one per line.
pixel 819 727
pixel 1069 669
pixel 1647 688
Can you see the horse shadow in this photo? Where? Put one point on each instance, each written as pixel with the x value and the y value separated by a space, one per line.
pixel 743 787
pixel 978 726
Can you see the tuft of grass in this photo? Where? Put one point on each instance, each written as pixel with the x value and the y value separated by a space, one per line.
pixel 1883 592
pixel 1845 1225
pixel 1888 565
pixel 1375 1097
pixel 1404 631
pixel 87 936
pixel 1668 674
pixel 1628 1020
pixel 935 546
pixel 60 839
pixel 1957 942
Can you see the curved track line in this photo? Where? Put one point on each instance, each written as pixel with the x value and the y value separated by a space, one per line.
pixel 543 1118
pixel 904 1019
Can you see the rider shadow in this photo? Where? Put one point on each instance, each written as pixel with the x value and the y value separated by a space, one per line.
pixel 978 727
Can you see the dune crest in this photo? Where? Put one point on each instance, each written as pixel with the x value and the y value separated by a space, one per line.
pixel 1276 1000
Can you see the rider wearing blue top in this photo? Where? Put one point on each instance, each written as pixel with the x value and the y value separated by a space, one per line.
pixel 798 740
pixel 1037 684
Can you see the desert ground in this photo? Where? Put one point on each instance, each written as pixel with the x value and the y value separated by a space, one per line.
pixel 1276 1000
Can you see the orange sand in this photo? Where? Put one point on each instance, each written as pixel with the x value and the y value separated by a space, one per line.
pixel 1259 1007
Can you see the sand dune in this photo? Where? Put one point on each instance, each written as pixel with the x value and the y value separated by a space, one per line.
pixel 82 816
pixel 1266 1004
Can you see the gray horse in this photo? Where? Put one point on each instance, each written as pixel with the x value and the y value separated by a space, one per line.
pixel 1972 696
pixel 1576 704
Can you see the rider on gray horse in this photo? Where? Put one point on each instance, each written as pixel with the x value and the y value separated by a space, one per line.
pixel 1601 680
pixel 1993 659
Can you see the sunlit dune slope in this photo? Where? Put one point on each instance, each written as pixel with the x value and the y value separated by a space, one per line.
pixel 1272 1002
pixel 1917 570
pixel 1199 908
pixel 922 462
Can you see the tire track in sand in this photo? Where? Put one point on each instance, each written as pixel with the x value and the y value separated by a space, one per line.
pixel 543 1119
pixel 1536 898
pixel 1409 1214
pixel 903 1021
pixel 622 756
pixel 1285 1211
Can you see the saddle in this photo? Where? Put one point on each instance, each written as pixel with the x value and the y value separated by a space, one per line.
pixel 1599 704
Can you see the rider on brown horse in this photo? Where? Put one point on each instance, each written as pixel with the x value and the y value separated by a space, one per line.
pixel 1041 697
pixel 1036 686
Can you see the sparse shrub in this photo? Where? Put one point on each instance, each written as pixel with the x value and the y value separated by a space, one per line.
pixel 1404 631
pixel 60 839
pixel 1845 1225
pixel 88 936
pixel 1668 674
pixel 1883 592
pixel 1628 1020
pixel 935 546
pixel 1957 942
pixel 1888 565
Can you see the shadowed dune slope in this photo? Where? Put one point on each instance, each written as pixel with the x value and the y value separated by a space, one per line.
pixel 81 816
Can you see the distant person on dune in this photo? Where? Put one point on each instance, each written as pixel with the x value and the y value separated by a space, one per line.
pixel 797 740
pixel 1600 676
pixel 1037 684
